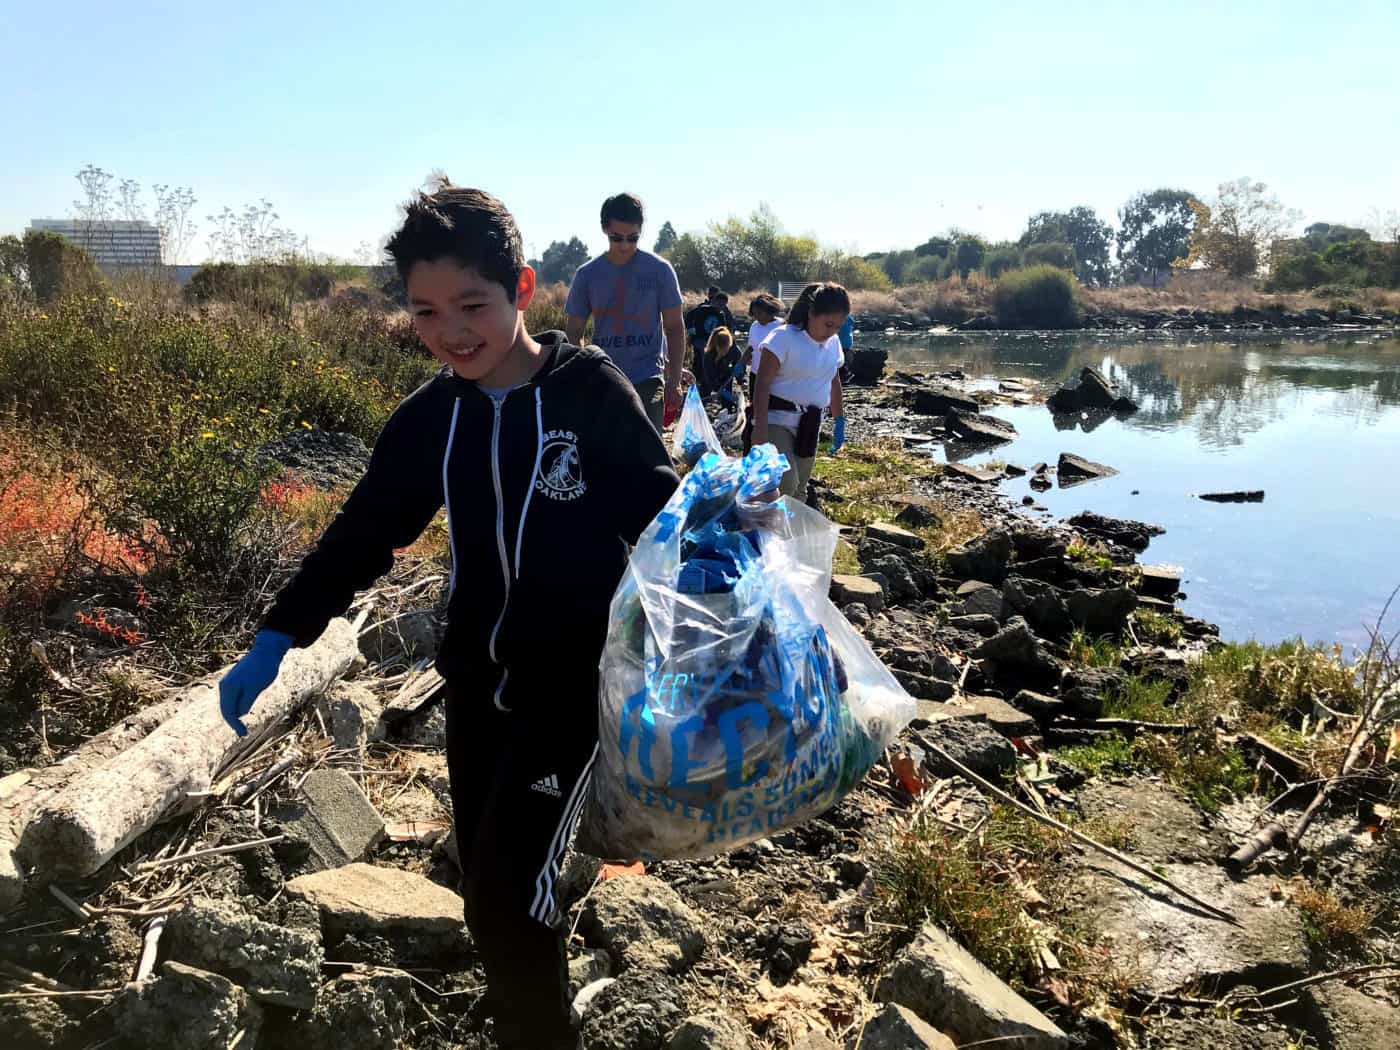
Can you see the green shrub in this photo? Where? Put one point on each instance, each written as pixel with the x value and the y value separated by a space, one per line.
pixel 1037 297
pixel 1051 253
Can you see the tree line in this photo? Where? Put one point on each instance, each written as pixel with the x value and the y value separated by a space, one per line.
pixel 1242 232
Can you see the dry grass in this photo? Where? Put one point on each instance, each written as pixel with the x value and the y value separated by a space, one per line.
pixel 1330 923
pixel 1223 296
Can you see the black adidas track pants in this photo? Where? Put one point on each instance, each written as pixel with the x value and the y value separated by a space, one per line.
pixel 518 783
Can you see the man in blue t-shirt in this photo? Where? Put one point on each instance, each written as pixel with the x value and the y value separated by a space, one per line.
pixel 635 302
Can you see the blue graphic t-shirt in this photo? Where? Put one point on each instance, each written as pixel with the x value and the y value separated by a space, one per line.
pixel 625 303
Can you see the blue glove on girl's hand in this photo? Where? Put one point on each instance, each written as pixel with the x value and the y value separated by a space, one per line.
pixel 838 433
pixel 250 676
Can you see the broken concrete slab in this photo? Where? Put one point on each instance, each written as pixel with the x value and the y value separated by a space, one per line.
pixel 1166 825
pixel 984 558
pixel 80 827
pixel 857 589
pixel 1159 581
pixel 1000 715
pixel 938 399
pixel 643 925
pixel 185 1008
pixel 353 714
pixel 1103 611
pixel 1168 943
pixel 898 1028
pixel 886 533
pixel 943 983
pixel 334 817
pixel 981 599
pixel 979 429
pixel 962 472
pixel 1354 1019
pixel 1073 470
pixel 277 965
pixel 399 906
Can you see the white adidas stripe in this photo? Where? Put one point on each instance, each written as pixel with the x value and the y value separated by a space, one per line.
pixel 544 881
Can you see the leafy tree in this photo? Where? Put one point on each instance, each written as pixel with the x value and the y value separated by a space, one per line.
pixel 1154 232
pixel 968 254
pixel 925 268
pixel 1086 234
pixel 896 265
pixel 665 239
pixel 939 247
pixel 1320 235
pixel 1051 253
pixel 54 268
pixel 561 261
pixel 1000 258
pixel 1237 234
pixel 855 273
pixel 689 262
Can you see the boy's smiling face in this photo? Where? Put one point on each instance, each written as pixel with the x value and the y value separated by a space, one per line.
pixel 465 319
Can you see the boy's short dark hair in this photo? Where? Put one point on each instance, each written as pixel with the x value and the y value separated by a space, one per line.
pixel 625 207
pixel 471 227
pixel 721 297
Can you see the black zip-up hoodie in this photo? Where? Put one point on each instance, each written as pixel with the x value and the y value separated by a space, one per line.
pixel 544 491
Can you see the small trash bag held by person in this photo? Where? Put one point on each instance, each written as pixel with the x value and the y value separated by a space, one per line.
pixel 736 699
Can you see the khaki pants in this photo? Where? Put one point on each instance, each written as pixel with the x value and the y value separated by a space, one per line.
pixel 653 395
pixel 794 482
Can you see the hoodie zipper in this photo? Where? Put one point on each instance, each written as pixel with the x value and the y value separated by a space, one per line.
pixel 500 521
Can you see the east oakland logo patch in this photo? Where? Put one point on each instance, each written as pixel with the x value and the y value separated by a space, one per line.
pixel 561 473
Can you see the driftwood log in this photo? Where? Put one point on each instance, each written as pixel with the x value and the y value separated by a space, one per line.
pixel 78 828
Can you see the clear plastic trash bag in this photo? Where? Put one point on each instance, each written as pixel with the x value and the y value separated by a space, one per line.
pixel 694 434
pixel 736 699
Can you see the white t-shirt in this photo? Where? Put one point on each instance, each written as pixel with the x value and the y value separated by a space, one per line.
pixel 805 370
pixel 758 333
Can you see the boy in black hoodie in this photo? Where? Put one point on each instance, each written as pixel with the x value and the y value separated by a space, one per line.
pixel 549 468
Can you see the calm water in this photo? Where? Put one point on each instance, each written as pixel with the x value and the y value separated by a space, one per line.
pixel 1314 422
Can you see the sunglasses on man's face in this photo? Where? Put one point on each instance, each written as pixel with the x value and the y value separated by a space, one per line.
pixel 624 238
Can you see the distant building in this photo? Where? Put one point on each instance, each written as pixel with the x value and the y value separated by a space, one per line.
pixel 113 245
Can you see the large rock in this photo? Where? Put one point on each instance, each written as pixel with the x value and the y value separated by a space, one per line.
pixel 1173 944
pixel 918 512
pixel 985 558
pixel 714 1031
pixel 1135 535
pixel 897 1028
pixel 276 965
pixel 1041 604
pixel 11 878
pixel 639 1011
pixel 847 590
pixel 358 1011
pixel 1073 470
pixel 334 817
pixel 980 599
pixel 898 577
pixel 1090 390
pixel 325 458
pixel 399 906
pixel 971 742
pixel 643 925
pixel 1101 611
pixel 938 399
pixel 1086 690
pixel 1166 825
pixel 867 365
pixel 1159 581
pixel 1015 645
pixel 979 429
pixel 943 983
pixel 184 1008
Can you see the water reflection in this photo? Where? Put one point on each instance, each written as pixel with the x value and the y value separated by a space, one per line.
pixel 1314 421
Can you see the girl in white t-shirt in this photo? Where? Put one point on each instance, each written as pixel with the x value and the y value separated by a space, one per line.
pixel 798 380
pixel 766 311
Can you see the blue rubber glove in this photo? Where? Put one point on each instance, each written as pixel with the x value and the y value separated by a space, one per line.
pixel 838 434
pixel 250 676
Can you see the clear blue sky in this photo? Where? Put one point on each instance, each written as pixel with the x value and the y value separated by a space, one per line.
pixel 869 124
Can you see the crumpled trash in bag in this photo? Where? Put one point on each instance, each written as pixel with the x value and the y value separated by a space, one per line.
pixel 695 434
pixel 736 699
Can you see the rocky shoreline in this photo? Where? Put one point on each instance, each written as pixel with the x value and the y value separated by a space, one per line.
pixel 1181 319
pixel 1033 648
